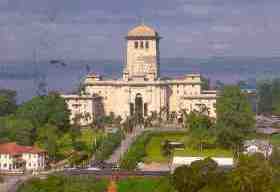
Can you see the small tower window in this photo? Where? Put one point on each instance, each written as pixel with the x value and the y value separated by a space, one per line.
pixel 147 45
pixel 136 44
pixel 141 44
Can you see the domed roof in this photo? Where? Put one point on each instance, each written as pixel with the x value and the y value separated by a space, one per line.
pixel 142 31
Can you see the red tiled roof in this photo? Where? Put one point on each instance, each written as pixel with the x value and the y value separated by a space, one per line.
pixel 13 149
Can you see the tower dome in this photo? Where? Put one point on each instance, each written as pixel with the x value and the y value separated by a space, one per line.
pixel 142 31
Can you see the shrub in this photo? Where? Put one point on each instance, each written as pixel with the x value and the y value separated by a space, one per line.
pixel 64 183
pixel 108 145
pixel 136 152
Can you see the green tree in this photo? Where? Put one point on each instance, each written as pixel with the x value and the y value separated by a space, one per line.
pixel 206 171
pixel 251 174
pixel 7 101
pixel 275 89
pixel 183 179
pixel 47 138
pixel 41 110
pixel 235 117
pixel 275 157
pixel 195 177
pixel 65 145
pixel 199 127
pixel 16 129
pixel 205 83
pixel 264 94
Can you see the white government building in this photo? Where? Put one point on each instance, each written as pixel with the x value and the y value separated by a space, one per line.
pixel 141 89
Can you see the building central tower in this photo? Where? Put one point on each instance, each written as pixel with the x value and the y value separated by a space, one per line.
pixel 142 54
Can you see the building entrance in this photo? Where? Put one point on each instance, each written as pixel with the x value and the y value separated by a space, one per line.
pixel 139 108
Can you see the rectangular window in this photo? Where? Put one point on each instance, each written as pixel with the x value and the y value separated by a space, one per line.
pixel 147 44
pixel 145 109
pixel 141 44
pixel 136 44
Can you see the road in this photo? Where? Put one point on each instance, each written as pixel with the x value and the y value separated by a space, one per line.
pixel 122 174
pixel 13 182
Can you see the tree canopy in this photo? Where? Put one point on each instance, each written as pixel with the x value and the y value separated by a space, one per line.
pixel 235 117
pixel 195 177
pixel 268 93
pixel 16 129
pixel 200 128
pixel 41 110
pixel 7 101
pixel 252 174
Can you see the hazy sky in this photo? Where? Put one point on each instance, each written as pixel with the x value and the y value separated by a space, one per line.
pixel 94 29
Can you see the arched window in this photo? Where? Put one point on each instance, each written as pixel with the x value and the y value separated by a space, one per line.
pixel 141 44
pixel 147 44
pixel 136 44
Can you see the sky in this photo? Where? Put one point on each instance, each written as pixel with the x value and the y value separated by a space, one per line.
pixel 95 29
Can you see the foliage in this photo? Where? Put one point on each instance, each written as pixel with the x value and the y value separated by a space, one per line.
pixel 47 138
pixel 62 183
pixel 275 157
pixel 90 138
pixel 252 174
pixel 41 110
pixel 275 89
pixel 264 91
pixel 85 184
pixel 59 144
pixel 44 121
pixel 153 152
pixel 136 152
pixel 145 184
pixel 199 127
pixel 196 176
pixel 235 118
pixel 205 83
pixel 108 145
pixel 7 101
pixel 16 129
pixel 268 96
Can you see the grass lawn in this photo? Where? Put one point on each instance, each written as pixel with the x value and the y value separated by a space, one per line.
pixel 205 153
pixel 153 147
pixel 145 185
pixel 275 139
pixel 154 154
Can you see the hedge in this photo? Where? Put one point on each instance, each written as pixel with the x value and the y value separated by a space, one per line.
pixel 136 152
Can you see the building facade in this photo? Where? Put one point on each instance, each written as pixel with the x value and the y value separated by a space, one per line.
pixel 141 89
pixel 83 108
pixel 15 157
